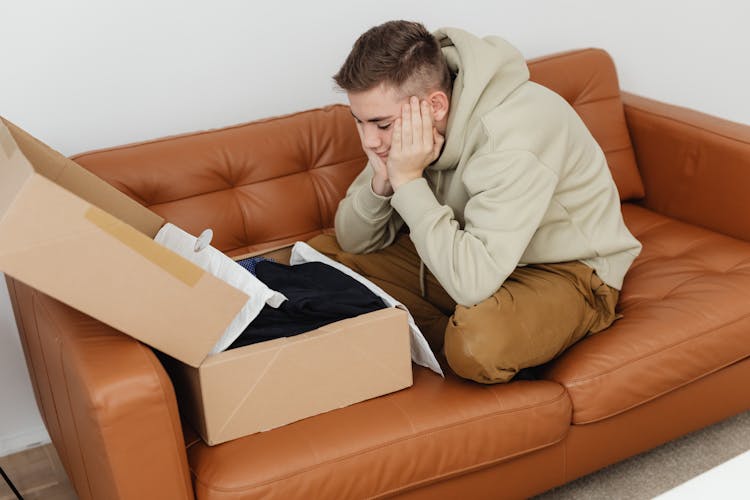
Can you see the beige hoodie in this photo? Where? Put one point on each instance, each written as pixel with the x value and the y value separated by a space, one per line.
pixel 520 181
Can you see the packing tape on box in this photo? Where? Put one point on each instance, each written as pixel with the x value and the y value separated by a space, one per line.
pixel 180 268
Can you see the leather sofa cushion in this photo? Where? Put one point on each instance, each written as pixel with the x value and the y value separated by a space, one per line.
pixel 684 303
pixel 432 430
pixel 587 79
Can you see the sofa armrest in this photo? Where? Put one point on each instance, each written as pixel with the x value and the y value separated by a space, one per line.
pixel 695 167
pixel 106 401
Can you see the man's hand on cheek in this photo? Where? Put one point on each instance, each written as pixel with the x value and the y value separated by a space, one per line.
pixel 380 183
pixel 415 143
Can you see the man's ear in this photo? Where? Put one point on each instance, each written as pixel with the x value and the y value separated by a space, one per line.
pixel 439 103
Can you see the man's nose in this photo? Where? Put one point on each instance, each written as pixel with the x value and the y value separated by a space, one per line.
pixel 372 138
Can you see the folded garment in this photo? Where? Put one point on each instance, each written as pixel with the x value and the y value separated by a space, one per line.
pixel 421 353
pixel 215 262
pixel 317 294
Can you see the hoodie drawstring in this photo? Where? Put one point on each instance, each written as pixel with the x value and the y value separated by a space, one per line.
pixel 421 277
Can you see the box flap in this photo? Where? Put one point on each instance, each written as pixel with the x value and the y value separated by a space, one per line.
pixel 76 179
pixel 62 245
pixel 15 170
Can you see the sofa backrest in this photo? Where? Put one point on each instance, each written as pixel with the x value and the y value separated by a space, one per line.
pixel 279 180
pixel 256 185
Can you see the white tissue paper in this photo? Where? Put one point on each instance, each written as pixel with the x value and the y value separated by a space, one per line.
pixel 421 353
pixel 224 268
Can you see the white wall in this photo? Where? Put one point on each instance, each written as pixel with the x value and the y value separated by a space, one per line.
pixel 86 74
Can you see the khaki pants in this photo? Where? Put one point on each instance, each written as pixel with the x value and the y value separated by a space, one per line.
pixel 537 313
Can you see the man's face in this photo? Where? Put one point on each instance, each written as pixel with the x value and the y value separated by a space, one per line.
pixel 375 110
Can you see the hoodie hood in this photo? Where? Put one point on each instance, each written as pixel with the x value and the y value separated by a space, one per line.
pixel 486 70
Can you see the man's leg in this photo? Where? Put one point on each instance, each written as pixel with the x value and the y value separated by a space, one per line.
pixel 395 269
pixel 538 312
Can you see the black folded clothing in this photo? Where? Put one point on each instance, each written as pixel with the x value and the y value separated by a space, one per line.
pixel 318 294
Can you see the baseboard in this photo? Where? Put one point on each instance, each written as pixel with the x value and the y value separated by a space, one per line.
pixel 20 441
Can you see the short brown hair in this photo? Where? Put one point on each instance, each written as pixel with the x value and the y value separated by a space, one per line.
pixel 397 53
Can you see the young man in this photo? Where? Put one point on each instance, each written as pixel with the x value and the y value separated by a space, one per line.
pixel 490 182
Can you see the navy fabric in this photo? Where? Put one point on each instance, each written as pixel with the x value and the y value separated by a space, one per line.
pixel 317 294
pixel 250 263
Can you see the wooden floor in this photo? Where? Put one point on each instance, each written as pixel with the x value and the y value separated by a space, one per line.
pixel 37 474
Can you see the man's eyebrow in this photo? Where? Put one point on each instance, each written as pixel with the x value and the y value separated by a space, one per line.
pixel 372 120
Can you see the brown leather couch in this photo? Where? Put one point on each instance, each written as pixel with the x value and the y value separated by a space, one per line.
pixel 677 361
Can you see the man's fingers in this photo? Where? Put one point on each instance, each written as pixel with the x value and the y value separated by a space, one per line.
pixel 406 125
pixel 416 121
pixel 396 139
pixel 377 162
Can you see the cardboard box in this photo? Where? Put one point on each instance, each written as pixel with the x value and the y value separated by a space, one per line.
pixel 266 385
pixel 72 236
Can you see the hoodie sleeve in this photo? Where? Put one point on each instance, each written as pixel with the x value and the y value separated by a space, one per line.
pixel 509 195
pixel 365 221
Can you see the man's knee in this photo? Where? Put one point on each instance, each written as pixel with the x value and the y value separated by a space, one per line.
pixel 479 352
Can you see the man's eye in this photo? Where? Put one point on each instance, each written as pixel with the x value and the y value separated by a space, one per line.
pixel 384 127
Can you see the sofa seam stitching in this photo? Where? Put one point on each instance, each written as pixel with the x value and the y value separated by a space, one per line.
pixel 460 472
pixel 697 335
pixel 664 392
pixel 481 466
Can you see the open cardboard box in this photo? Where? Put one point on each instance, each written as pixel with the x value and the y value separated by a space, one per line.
pixel 71 235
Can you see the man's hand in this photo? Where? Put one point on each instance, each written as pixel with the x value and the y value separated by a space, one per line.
pixel 415 143
pixel 380 183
